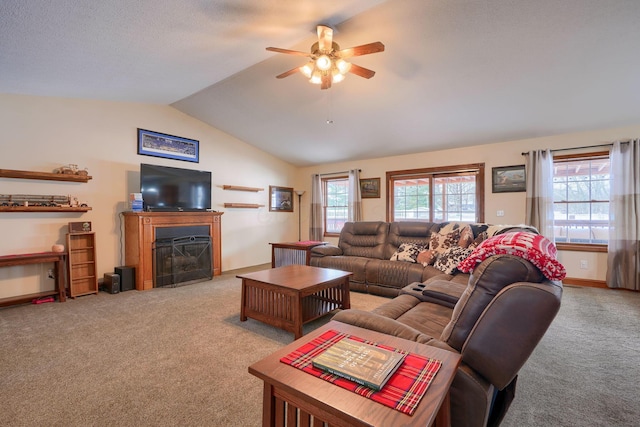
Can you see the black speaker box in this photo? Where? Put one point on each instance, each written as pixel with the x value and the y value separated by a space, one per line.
pixel 111 283
pixel 127 278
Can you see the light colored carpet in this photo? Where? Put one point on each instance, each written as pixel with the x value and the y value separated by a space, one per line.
pixel 179 356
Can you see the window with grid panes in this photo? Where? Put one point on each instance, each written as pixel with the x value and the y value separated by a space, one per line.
pixel 454 193
pixel 336 200
pixel 581 199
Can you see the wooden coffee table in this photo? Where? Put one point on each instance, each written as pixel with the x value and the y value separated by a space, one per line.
pixel 290 296
pixel 293 397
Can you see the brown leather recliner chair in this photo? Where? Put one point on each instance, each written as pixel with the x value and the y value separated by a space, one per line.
pixel 495 325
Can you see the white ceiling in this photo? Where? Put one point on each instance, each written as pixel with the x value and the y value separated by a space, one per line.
pixel 454 72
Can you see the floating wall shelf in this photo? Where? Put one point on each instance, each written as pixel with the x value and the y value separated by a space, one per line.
pixel 240 188
pixel 48 176
pixel 243 205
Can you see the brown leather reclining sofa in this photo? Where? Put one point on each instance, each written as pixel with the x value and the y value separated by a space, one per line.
pixel 494 319
pixel 365 249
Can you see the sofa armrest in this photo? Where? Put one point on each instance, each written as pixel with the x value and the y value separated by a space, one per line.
pixel 325 250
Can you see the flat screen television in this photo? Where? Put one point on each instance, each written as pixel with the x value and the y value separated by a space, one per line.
pixel 170 189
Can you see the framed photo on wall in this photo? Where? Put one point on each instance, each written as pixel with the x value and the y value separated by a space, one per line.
pixel 508 179
pixel 280 199
pixel 168 146
pixel 370 188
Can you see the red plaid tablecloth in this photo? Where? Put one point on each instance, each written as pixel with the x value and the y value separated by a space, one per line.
pixel 402 392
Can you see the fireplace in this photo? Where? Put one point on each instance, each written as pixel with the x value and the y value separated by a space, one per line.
pixel 182 260
pixel 144 229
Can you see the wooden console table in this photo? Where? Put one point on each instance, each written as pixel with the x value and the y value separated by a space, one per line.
pixel 140 234
pixel 57 258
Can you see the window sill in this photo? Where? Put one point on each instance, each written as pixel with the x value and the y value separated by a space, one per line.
pixel 577 247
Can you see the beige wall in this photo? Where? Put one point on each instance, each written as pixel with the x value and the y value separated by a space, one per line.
pixel 492 155
pixel 41 134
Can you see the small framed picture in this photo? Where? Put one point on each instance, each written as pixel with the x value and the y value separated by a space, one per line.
pixel 280 199
pixel 508 179
pixel 370 188
pixel 168 146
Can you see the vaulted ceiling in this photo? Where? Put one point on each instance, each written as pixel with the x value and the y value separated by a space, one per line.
pixel 454 72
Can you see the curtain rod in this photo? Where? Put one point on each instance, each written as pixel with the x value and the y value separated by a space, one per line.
pixel 583 147
pixel 336 173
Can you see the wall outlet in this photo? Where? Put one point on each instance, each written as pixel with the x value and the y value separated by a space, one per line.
pixel 500 213
pixel 584 264
pixel 50 274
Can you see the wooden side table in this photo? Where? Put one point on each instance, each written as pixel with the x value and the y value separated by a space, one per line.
pixel 58 260
pixel 293 397
pixel 292 253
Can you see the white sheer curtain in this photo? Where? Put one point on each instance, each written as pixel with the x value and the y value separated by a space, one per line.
pixel 355 198
pixel 539 208
pixel 316 222
pixel 623 260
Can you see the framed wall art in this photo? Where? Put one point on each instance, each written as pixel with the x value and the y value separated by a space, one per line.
pixel 508 179
pixel 168 146
pixel 280 199
pixel 370 188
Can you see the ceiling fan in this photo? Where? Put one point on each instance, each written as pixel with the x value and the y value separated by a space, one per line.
pixel 328 62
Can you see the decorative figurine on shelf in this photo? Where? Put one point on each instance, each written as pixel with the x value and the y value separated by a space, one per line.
pixel 83 172
pixel 70 169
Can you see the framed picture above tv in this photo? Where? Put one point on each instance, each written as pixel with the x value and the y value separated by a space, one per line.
pixel 168 146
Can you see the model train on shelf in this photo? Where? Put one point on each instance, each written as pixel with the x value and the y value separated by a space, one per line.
pixel 41 201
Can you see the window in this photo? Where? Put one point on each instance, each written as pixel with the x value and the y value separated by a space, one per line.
pixel 336 199
pixel 581 199
pixel 454 193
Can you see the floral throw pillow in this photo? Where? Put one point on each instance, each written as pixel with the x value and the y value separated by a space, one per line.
pixel 535 248
pixel 407 252
pixel 448 261
pixel 441 242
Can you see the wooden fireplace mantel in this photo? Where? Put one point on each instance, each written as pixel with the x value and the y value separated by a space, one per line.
pixel 140 234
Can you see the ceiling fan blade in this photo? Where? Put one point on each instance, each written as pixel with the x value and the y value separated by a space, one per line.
pixel 288 73
pixel 326 81
pixel 361 71
pixel 325 38
pixel 364 49
pixel 288 52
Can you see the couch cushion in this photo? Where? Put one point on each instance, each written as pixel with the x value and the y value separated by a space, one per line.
pixel 400 232
pixel 392 273
pixel 535 248
pixel 439 243
pixel 354 264
pixel 364 239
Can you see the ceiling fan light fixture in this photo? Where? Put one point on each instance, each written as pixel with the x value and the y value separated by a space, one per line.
pixel 316 77
pixel 337 77
pixel 323 62
pixel 343 66
pixel 307 69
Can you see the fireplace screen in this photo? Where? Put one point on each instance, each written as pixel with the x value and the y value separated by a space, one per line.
pixel 182 260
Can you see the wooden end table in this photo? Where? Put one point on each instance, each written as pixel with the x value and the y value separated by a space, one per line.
pixel 290 296
pixel 292 253
pixel 293 397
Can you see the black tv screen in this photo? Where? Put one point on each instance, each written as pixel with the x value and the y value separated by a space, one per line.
pixel 165 188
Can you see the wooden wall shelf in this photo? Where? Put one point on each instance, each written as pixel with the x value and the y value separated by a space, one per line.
pixel 47 176
pixel 243 205
pixel 42 209
pixel 240 188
